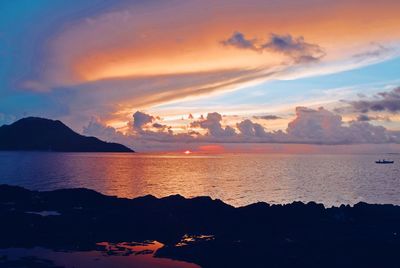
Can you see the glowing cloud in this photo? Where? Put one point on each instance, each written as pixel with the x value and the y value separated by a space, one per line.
pixel 310 126
pixel 85 60
pixel 137 56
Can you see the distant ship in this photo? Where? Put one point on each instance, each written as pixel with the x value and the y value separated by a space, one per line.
pixel 383 161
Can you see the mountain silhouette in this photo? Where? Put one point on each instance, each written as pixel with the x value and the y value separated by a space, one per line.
pixel 40 134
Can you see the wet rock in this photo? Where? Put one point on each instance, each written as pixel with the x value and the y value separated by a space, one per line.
pixel 258 235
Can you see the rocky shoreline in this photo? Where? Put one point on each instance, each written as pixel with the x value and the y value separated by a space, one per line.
pixel 203 231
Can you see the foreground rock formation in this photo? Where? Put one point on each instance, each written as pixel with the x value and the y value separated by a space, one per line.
pixel 204 231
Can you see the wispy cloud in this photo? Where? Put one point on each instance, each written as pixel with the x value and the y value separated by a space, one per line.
pixel 376 51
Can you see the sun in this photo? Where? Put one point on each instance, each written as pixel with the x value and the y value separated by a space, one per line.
pixel 187 152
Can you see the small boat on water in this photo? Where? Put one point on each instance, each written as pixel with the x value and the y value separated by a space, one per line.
pixel 383 161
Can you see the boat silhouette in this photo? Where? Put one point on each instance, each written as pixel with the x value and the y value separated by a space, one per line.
pixel 383 161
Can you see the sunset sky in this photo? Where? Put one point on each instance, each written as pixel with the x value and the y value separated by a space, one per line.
pixel 171 75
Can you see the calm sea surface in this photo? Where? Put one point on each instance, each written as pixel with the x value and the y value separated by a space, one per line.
pixel 237 179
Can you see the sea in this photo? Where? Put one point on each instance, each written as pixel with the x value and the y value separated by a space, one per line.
pixel 238 179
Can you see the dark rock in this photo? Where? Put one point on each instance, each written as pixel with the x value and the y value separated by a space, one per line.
pixel 258 235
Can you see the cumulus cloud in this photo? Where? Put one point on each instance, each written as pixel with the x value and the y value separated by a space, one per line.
pixel 383 101
pixel 97 129
pixel 310 126
pixel 213 124
pixel 140 119
pixel 250 129
pixel 325 127
pixel 315 125
pixel 135 140
pixel 140 136
pixel 295 48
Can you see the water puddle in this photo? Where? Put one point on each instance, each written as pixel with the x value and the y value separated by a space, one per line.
pixel 106 254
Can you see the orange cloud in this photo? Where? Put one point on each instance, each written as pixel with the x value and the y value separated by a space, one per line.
pixel 186 38
pixel 138 56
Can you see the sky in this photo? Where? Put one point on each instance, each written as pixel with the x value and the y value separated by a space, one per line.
pixel 207 75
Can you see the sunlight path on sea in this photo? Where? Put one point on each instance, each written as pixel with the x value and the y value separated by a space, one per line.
pixel 238 179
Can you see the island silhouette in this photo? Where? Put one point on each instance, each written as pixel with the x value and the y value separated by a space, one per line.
pixel 41 134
